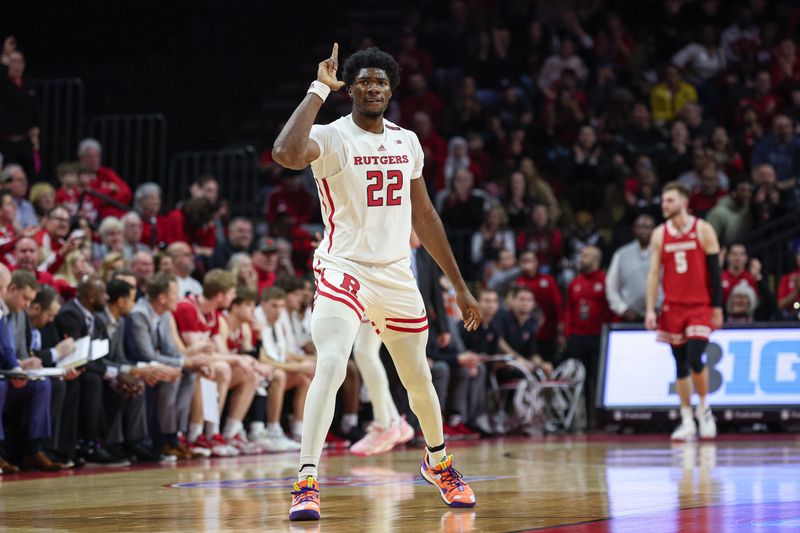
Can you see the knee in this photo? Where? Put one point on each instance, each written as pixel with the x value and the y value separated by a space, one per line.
pixel 279 378
pixel 681 362
pixel 223 372
pixel 694 352
pixel 91 381
pixel 244 378
pixel 440 370
pixel 43 388
pixel 463 373
pixel 332 369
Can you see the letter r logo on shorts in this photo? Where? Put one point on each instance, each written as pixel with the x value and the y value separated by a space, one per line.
pixel 350 284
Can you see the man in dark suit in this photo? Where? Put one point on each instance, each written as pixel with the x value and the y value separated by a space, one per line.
pixel 30 397
pixel 42 342
pixel 99 401
pixel 130 424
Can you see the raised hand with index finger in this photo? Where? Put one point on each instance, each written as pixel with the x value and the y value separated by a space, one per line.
pixel 326 72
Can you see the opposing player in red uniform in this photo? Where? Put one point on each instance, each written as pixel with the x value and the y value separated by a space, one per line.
pixel 688 249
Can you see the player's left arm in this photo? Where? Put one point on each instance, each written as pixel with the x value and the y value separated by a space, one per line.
pixel 426 222
pixel 710 243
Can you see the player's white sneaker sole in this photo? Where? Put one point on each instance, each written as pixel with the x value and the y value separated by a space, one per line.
pixel 685 432
pixel 707 426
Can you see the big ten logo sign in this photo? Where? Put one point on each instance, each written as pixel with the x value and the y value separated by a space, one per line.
pixel 775 357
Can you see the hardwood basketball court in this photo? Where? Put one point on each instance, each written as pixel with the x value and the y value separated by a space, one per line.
pixel 565 484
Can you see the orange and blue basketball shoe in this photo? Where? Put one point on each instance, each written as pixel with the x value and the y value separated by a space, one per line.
pixel 452 488
pixel 305 500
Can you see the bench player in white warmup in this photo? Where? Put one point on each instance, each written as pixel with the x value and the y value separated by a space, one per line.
pixel 369 175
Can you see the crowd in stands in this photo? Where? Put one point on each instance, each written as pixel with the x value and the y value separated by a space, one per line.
pixel 548 132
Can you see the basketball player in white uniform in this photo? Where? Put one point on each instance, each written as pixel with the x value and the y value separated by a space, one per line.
pixel 369 176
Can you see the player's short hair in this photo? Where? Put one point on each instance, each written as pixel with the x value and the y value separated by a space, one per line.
pixel 273 293
pixel 372 57
pixel 244 295
pixel 159 284
pixel 677 187
pixel 218 281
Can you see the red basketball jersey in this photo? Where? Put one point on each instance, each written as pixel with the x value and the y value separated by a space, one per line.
pixel 685 272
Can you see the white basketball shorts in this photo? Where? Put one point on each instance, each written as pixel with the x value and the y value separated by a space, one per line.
pixel 386 294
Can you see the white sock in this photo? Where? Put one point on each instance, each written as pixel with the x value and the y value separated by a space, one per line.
pixel 297 428
pixel 434 458
pixel 256 427
pixel 703 404
pixel 307 471
pixel 274 429
pixel 686 414
pixel 232 428
pixel 349 421
pixel 212 428
pixel 455 420
pixel 195 430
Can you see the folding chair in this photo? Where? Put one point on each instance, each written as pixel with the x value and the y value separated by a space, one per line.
pixel 533 410
pixel 566 386
pixel 521 396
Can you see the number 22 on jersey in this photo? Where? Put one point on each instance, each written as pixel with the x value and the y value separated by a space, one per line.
pixel 384 190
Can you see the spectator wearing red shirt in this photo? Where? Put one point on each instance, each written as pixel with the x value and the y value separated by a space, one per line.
pixel 26 255
pixel 411 59
pixel 548 297
pixel 207 186
pixel 193 223
pixel 265 263
pixel 763 101
pixel 8 231
pixel 587 310
pixel 706 196
pixel 147 202
pixel 435 149
pixel 54 246
pixel 67 195
pixel 737 272
pixel 785 68
pixel 300 247
pixel 542 239
pixel 789 293
pixel 106 181
pixel 420 98
pixel 291 197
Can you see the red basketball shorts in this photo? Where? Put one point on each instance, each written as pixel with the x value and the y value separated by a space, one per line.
pixel 678 323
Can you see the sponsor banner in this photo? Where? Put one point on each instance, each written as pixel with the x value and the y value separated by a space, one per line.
pixel 748 367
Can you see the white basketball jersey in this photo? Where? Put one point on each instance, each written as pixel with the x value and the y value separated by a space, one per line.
pixel 364 182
